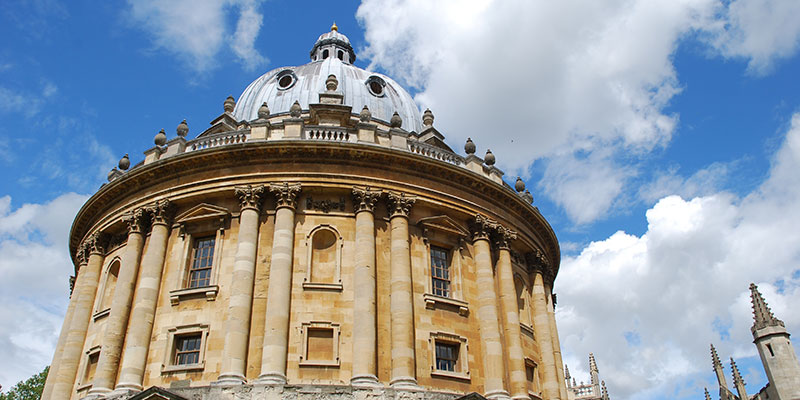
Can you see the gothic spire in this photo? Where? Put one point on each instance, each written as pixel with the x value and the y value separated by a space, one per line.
pixel 592 363
pixel 708 396
pixel 605 391
pixel 718 369
pixel 593 371
pixel 738 382
pixel 761 313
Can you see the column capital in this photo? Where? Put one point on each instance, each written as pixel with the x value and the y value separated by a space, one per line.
pixel 503 237
pixel 285 194
pixel 538 262
pixel 96 243
pixel 399 204
pixel 81 254
pixel 250 197
pixel 364 198
pixel 481 227
pixel 137 220
pixel 161 211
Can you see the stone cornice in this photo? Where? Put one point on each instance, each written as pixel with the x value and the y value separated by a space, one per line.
pixel 491 195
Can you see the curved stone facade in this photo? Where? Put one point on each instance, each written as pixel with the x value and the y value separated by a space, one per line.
pixel 315 250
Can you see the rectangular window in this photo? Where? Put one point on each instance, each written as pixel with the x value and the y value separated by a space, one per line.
pixel 440 271
pixel 446 356
pixel 202 261
pixel 187 349
pixel 320 344
pixel 91 367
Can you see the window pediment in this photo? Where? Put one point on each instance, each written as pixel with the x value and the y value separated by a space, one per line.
pixel 202 212
pixel 443 223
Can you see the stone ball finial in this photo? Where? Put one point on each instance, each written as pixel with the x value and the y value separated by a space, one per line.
pixel 489 158
pixel 124 162
pixel 427 117
pixel 519 185
pixel 295 110
pixel 331 83
pixel 366 115
pixel 396 121
pixel 263 111
pixel 469 147
pixel 161 138
pixel 229 104
pixel 183 129
pixel 527 196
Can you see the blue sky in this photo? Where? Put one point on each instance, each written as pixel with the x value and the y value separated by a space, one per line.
pixel 660 139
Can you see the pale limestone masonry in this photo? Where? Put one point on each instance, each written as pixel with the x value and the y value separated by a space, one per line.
pixel 300 249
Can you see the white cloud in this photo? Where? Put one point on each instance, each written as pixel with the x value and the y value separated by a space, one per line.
pixel 196 31
pixel 703 182
pixel 558 80
pixel 648 306
pixel 28 104
pixel 34 272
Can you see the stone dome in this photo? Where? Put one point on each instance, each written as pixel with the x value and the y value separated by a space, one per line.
pixel 331 55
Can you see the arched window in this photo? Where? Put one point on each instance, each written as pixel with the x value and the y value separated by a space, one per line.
pixel 324 259
pixel 324 54
pixel 107 293
pixel 340 55
pixel 523 300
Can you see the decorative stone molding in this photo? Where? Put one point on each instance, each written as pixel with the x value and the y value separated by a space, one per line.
pixel 250 196
pixel 482 228
pixel 82 255
pixel 462 364
pixel 335 330
pixel 162 212
pixel 97 243
pixel 364 198
pixel 503 237
pixel 325 205
pixel 432 300
pixel 285 194
pixel 137 220
pixel 399 204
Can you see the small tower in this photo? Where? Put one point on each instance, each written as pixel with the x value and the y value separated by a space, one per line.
pixel 776 350
pixel 567 376
pixel 595 374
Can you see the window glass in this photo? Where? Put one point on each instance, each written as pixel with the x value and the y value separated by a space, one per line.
pixel 446 356
pixel 187 349
pixel 202 261
pixel 440 271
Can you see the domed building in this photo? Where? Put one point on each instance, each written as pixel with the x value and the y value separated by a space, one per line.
pixel 319 240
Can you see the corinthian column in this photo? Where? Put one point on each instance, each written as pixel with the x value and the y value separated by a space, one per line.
pixel 83 297
pixel 144 307
pixel 541 326
pixel 364 316
pixel 401 302
pixel 117 320
pixel 237 324
pixel 279 295
pixel 551 316
pixel 491 346
pixel 510 309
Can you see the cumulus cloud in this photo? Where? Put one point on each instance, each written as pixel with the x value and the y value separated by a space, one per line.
pixel 703 182
pixel 558 80
pixel 34 272
pixel 196 31
pixel 648 306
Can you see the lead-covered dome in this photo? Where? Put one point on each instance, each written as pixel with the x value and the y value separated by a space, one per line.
pixel 332 54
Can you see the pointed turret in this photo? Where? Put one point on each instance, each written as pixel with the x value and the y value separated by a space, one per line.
pixel 595 374
pixel 708 396
pixel 723 384
pixel 761 313
pixel 567 376
pixel 604 395
pixel 738 382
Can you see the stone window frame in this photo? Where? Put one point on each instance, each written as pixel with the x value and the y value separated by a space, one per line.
pixel 537 384
pixel 169 366
pixel 308 283
pixel 200 221
pixel 526 293
pixel 463 355
pixel 304 328
pixel 83 382
pixel 449 236
pixel 102 310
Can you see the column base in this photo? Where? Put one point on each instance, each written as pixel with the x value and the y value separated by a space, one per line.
pixel 521 397
pixel 404 383
pixel 126 389
pixel 271 378
pixel 497 395
pixel 229 379
pixel 97 393
pixel 366 380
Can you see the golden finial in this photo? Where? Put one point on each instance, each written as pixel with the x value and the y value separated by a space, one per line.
pixel 334 27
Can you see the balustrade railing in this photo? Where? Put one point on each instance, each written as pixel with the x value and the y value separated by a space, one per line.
pixel 428 150
pixel 216 140
pixel 331 134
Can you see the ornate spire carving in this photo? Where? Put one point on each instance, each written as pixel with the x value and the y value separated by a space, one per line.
pixel 137 220
pixel 715 358
pixel 162 212
pixel 250 196
pixel 364 199
pixel 604 390
pixel 592 363
pixel 708 396
pixel 285 194
pixel 762 315
pixel 737 377
pixel 399 204
pixel 503 237
pixel 482 227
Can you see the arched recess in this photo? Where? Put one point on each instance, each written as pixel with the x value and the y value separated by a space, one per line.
pixel 109 283
pixel 523 301
pixel 324 259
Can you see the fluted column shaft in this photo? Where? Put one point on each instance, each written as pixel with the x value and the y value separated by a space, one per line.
pixel 279 294
pixel 62 338
pixel 541 325
pixel 364 301
pixel 559 362
pixel 401 302
pixel 240 304
pixel 117 320
pixel 140 328
pixel 491 346
pixel 84 295
pixel 510 309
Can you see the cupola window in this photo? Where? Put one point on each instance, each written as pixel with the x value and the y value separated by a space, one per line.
pixel 324 54
pixel 286 79
pixel 376 86
pixel 340 55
